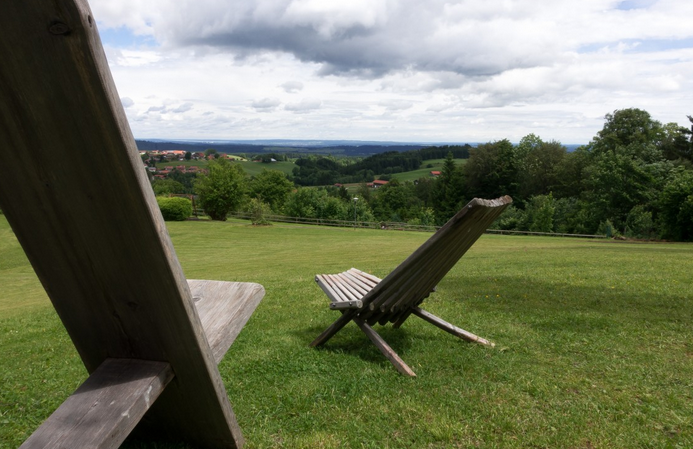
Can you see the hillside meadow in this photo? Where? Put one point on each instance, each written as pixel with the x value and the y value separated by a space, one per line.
pixel 594 343
pixel 251 168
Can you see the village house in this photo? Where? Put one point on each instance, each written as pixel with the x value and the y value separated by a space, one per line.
pixel 377 183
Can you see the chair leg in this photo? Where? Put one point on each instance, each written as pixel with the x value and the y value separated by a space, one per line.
pixel 447 327
pixel 385 348
pixel 333 329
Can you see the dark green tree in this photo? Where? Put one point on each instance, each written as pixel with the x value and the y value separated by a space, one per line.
pixel 677 206
pixel 677 143
pixel 187 180
pixel 626 127
pixel 391 202
pixel 449 191
pixel 570 173
pixel 222 190
pixel 538 167
pixel 615 183
pixel 492 170
pixel 163 187
pixel 272 187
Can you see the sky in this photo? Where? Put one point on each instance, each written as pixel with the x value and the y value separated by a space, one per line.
pixel 427 71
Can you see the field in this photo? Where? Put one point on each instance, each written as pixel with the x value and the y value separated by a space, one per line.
pixel 594 343
pixel 425 171
pixel 251 168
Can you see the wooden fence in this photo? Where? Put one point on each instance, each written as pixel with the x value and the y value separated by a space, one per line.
pixel 387 225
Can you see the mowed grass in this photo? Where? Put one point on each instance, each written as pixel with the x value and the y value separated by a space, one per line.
pixel 250 168
pixel 425 171
pixel 594 343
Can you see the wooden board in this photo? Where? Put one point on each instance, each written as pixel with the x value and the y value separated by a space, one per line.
pixel 105 408
pixel 76 194
pixel 224 308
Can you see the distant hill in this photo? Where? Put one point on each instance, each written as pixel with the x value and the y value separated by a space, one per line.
pixel 342 147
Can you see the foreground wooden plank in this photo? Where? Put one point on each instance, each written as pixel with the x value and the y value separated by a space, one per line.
pixel 224 308
pixel 97 241
pixel 105 408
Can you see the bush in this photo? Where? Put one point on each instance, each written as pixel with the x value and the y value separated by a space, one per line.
pixel 512 219
pixel 639 223
pixel 258 210
pixel 607 228
pixel 175 208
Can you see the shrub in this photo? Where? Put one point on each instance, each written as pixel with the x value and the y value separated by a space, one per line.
pixel 512 219
pixel 258 211
pixel 175 208
pixel 607 228
pixel 639 223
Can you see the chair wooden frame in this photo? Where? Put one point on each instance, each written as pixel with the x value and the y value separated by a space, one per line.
pixel 366 299
pixel 76 193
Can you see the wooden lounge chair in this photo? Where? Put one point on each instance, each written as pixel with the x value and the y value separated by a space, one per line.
pixel 366 299
pixel 77 196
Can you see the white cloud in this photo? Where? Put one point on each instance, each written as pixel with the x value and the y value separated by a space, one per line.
pixel 434 70
pixel 292 87
pixel 266 104
pixel 304 106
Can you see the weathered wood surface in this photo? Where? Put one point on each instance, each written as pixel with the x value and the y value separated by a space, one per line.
pixel 105 408
pixel 450 328
pixel 346 289
pixel 335 327
pixel 97 240
pixel 385 349
pixel 224 308
pixel 415 278
pixel 394 298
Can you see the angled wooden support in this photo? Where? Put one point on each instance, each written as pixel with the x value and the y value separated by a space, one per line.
pixel 450 328
pixel 367 300
pixel 105 408
pixel 385 349
pixel 98 242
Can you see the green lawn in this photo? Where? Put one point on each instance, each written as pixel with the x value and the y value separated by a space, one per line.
pixel 594 343
pixel 424 171
pixel 251 168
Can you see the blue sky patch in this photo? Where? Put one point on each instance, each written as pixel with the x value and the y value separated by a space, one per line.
pixel 627 5
pixel 640 45
pixel 123 37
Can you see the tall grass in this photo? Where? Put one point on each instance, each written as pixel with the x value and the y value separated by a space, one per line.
pixel 594 343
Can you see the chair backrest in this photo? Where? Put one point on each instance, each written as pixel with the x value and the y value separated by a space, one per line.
pixel 75 191
pixel 415 278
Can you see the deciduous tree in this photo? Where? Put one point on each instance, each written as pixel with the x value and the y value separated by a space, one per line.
pixel 222 190
pixel 272 187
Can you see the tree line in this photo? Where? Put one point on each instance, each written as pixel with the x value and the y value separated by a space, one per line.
pixel 321 170
pixel 634 178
